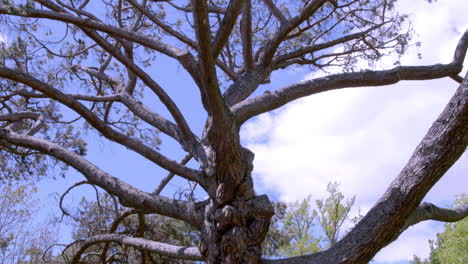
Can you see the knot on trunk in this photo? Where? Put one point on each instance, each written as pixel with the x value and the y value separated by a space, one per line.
pixel 233 233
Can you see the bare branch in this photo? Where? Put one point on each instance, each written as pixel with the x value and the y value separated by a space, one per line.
pixel 270 101
pixel 191 253
pixel 278 62
pixel 128 195
pixel 184 57
pixel 189 8
pixel 164 26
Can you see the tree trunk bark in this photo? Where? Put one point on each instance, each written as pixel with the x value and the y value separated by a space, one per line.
pixel 236 221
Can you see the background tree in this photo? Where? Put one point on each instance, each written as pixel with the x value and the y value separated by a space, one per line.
pixel 20 243
pixel 95 59
pixel 333 213
pixel 450 245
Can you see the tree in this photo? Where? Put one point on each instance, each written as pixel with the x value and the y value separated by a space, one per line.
pixel 298 223
pixel 18 243
pixel 94 218
pixel 333 213
pixel 100 67
pixel 450 245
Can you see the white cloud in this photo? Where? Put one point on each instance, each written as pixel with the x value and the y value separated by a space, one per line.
pixel 362 137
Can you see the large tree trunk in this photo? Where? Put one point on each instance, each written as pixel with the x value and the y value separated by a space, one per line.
pixel 236 220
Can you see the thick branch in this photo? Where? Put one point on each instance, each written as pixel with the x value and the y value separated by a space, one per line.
pixel 271 101
pixel 98 124
pixel 246 35
pixel 206 60
pixel 443 144
pixel 428 211
pixel 128 195
pixel 191 253
pixel 226 26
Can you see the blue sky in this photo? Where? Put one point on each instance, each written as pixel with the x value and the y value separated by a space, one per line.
pixel 359 137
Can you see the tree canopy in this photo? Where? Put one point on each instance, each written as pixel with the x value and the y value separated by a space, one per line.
pixel 71 66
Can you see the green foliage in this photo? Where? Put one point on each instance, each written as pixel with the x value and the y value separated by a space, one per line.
pixel 450 246
pixel 333 212
pixel 299 223
pixel 21 241
pixel 293 230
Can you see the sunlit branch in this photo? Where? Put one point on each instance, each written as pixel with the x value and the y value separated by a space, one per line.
pixel 428 211
pixel 191 253
pixel 268 102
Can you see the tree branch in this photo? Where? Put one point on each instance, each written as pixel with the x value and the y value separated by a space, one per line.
pixel 279 62
pixel 443 144
pixel 210 86
pixel 184 57
pixel 267 102
pixel 129 196
pixel 428 211
pixel 246 35
pixel 169 177
pixel 275 11
pixel 272 45
pixel 191 253
pixel 226 26
pixel 99 125
pixel 19 116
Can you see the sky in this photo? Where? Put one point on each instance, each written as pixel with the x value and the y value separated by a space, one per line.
pixel 360 138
